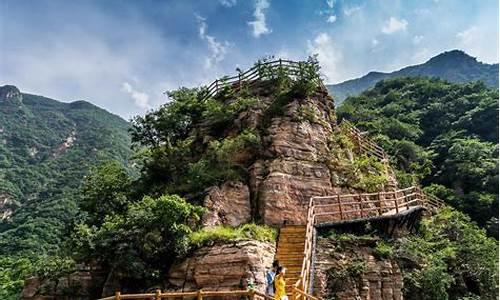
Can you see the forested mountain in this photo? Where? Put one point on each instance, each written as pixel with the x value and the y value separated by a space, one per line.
pixel 454 66
pixel 446 134
pixel 46 149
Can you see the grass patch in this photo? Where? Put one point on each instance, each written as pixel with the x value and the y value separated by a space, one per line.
pixel 209 236
pixel 383 250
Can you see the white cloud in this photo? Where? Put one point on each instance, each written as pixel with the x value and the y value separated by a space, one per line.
pixel 421 56
pixel 349 11
pixel 417 39
pixel 217 49
pixel 330 3
pixel 228 3
pixel 375 43
pixel 329 56
pixel 476 43
pixel 141 99
pixel 394 25
pixel 259 26
pixel 332 19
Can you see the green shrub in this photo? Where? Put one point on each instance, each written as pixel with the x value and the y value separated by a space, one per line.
pixel 353 270
pixel 211 235
pixel 383 250
pixel 306 113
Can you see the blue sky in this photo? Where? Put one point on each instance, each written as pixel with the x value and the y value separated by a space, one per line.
pixel 122 55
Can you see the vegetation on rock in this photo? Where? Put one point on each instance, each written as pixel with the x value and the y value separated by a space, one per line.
pixel 448 258
pixel 211 235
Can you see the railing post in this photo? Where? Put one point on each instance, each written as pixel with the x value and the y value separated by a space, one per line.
pixel 361 206
pixel 158 295
pixel 358 140
pixel 216 86
pixel 380 203
pixel 117 296
pixel 199 295
pixel 251 294
pixel 396 201
pixel 340 207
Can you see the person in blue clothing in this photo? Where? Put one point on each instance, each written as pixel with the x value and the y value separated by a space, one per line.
pixel 270 274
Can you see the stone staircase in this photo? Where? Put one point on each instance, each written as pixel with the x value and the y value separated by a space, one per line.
pixel 290 252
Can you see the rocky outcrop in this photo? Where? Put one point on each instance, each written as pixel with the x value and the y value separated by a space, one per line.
pixel 223 267
pixel 345 270
pixel 292 170
pixel 83 284
pixel 7 206
pixel 228 204
pixel 10 93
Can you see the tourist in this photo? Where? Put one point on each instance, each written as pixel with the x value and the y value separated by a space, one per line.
pixel 279 284
pixel 270 278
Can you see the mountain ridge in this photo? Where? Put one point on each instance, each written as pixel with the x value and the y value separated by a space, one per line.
pixel 455 66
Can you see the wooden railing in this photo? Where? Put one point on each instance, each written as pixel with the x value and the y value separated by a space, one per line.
pixel 364 143
pixel 338 208
pixel 250 293
pixel 260 72
pixel 348 207
pixel 301 288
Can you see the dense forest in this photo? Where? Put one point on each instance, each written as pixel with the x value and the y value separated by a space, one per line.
pixel 442 134
pixel 454 66
pixel 46 149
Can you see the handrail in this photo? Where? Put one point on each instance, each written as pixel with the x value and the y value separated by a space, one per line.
pixel 400 200
pixel 251 293
pixel 346 207
pixel 256 73
pixel 299 294
pixel 364 144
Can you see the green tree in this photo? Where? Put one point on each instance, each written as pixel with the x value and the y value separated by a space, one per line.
pixel 144 240
pixel 106 191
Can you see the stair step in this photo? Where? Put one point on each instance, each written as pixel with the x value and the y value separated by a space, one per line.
pixel 285 260
pixel 294 251
pixel 293 230
pixel 291 241
pixel 294 239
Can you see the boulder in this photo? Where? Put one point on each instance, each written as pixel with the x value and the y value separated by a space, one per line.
pixel 227 266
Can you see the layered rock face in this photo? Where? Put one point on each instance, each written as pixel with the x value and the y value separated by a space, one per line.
pixel 294 164
pixel 352 271
pixel 228 204
pixel 223 267
pixel 290 169
pixel 83 284
pixel 296 170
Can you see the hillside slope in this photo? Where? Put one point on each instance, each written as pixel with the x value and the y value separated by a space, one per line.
pixel 46 148
pixel 454 66
pixel 445 134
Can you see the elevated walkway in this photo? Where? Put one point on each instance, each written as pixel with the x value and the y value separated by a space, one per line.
pixel 295 244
